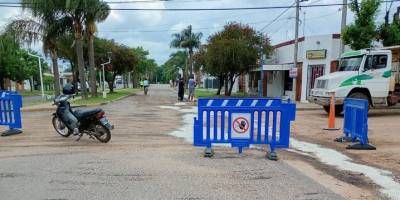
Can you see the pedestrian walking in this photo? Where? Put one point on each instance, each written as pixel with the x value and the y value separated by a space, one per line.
pixel 192 85
pixel 181 89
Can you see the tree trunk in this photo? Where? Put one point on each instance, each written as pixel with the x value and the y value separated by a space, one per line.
pixel 56 73
pixel 221 84
pixel 31 83
pixel 75 74
pixel 134 80
pixel 111 83
pixel 232 80
pixel 2 87
pixel 185 72
pixel 190 62
pixel 81 64
pixel 226 84
pixel 92 67
pixel 78 29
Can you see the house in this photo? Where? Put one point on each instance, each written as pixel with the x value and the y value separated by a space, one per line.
pixel 317 55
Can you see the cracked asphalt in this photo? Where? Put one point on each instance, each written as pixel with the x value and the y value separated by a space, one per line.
pixel 141 162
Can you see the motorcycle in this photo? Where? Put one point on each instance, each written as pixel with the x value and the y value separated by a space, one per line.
pixel 93 122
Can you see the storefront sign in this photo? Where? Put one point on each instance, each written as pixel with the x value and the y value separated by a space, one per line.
pixel 293 72
pixel 316 54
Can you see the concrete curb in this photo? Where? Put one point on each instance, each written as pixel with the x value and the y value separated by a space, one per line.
pixel 53 108
pixel 308 109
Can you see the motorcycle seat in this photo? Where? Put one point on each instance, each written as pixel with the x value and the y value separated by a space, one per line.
pixel 82 114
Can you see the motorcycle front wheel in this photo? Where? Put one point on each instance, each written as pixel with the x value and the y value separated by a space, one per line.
pixel 60 127
pixel 102 133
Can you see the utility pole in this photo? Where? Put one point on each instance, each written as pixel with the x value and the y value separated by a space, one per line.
pixel 296 46
pixel 344 18
pixel 304 24
pixel 261 84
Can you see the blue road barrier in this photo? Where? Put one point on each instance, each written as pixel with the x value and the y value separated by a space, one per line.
pixel 242 122
pixel 10 112
pixel 355 126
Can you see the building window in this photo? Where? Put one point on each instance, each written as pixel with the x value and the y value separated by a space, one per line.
pixel 375 62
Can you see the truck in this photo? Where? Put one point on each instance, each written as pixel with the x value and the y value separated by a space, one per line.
pixel 371 74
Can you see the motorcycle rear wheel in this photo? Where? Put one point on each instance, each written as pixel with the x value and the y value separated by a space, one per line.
pixel 102 133
pixel 60 127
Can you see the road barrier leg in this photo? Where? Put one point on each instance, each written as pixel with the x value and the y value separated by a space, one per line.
pixel 345 138
pixel 360 146
pixel 11 131
pixel 271 155
pixel 208 152
pixel 240 149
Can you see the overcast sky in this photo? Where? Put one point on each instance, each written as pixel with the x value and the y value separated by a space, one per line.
pixel 153 29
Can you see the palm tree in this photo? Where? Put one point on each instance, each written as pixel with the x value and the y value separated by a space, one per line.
pixel 46 26
pixel 96 11
pixel 188 40
pixel 75 11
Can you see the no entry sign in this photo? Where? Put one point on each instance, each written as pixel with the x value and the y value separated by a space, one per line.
pixel 241 125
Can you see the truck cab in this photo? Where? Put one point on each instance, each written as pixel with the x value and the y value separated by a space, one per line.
pixel 371 74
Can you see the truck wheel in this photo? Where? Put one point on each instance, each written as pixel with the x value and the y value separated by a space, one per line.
pixel 338 109
pixel 359 95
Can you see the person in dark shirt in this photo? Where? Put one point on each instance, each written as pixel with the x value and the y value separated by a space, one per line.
pixel 181 89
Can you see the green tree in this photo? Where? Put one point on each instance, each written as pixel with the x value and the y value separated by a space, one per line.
pixel 362 32
pixel 8 48
pixel 66 51
pixel 28 67
pixel 15 63
pixel 74 10
pixel 170 67
pixel 95 11
pixel 123 59
pixel 188 40
pixel 232 52
pixel 46 26
pixel 389 33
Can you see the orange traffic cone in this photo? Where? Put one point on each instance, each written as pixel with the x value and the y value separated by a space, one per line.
pixel 331 118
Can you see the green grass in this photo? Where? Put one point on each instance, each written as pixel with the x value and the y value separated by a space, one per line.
pixel 117 94
pixel 205 93
pixel 213 93
pixel 27 93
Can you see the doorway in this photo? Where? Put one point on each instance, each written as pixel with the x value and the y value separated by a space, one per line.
pixel 314 71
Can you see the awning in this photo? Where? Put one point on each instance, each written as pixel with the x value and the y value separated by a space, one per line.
pixel 277 67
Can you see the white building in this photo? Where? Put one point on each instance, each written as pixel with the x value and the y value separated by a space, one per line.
pixel 317 55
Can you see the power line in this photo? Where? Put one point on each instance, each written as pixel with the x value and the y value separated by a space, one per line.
pixel 168 30
pixel 227 17
pixel 221 9
pixel 276 18
pixel 125 2
pixel 155 1
pixel 237 8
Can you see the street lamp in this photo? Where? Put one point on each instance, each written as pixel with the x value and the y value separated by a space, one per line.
pixel 104 76
pixel 40 71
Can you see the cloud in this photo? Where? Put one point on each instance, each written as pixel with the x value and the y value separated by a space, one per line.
pixel 153 29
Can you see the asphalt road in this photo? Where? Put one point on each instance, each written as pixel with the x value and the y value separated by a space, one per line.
pixel 141 162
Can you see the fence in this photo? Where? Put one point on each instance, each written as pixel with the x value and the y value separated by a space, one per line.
pixel 10 112
pixel 355 126
pixel 243 122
